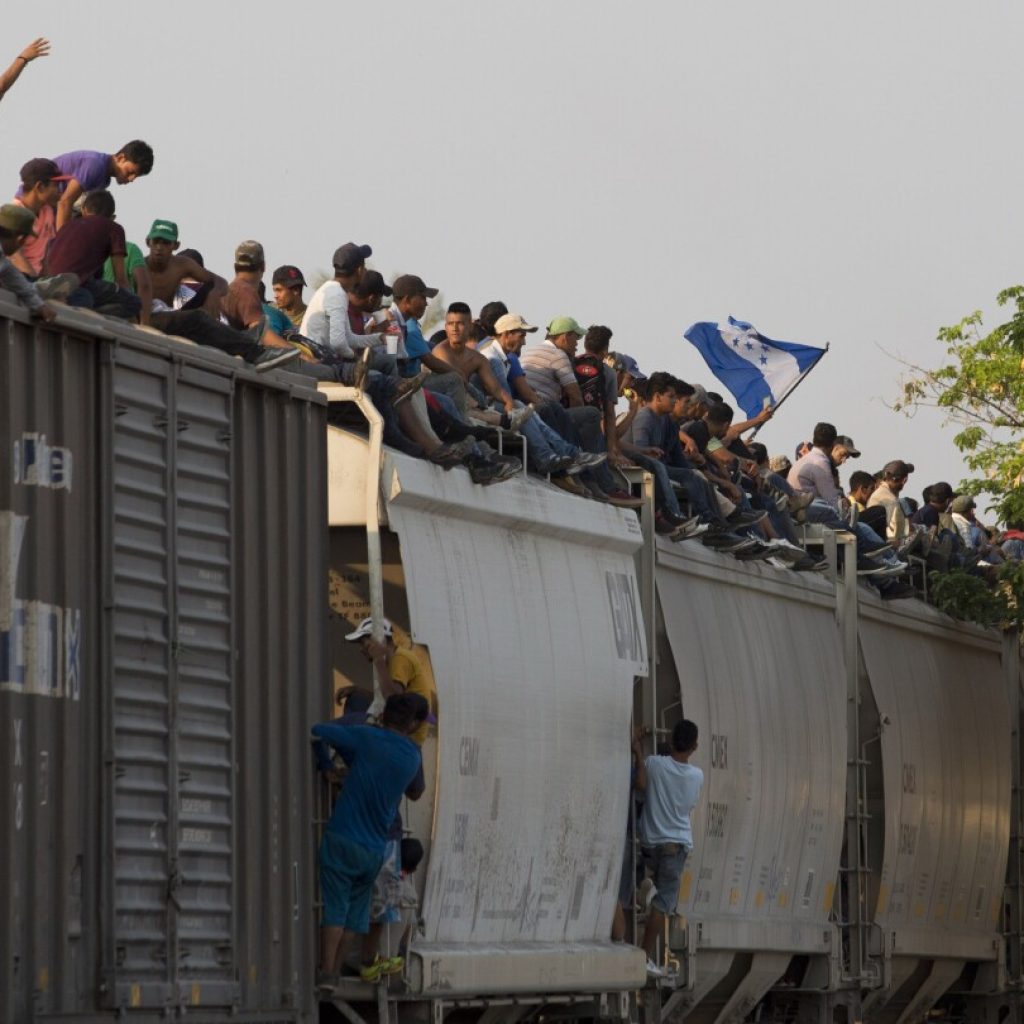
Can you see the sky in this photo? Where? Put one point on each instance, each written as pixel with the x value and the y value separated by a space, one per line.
pixel 840 173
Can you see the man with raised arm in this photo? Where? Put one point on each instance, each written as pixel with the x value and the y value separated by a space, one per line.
pixel 38 48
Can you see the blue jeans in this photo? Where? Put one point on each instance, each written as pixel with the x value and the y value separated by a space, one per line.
pixel 665 862
pixel 699 493
pixel 106 298
pixel 822 512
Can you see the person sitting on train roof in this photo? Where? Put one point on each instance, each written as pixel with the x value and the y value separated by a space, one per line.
pixel 482 330
pixel 15 226
pixel 40 189
pixel 887 496
pixel 861 486
pixel 384 764
pixel 671 788
pixel 241 306
pixel 91 171
pixel 287 283
pixel 169 270
pixel 82 246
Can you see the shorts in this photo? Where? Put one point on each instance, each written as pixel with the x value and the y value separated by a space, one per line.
pixel 347 872
pixel 387 886
pixel 665 863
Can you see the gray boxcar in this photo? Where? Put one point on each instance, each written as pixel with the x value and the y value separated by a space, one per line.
pixel 162 653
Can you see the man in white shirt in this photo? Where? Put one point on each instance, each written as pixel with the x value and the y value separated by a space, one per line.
pixel 671 787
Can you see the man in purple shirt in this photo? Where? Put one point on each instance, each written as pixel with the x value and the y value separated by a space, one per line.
pixel 91 171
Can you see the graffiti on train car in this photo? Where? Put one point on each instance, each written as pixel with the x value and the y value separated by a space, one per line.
pixel 40 643
pixel 39 464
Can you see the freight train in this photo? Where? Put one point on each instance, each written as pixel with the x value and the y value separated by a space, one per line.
pixel 184 542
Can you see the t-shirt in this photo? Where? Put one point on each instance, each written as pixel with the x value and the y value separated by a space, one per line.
pixel 241 305
pixel 648 429
pixel 813 474
pixel 34 249
pixel 133 258
pixel 698 433
pixel 382 765
pixel 82 246
pixel 89 168
pixel 673 789
pixel 407 669
pixel 277 318
pixel 513 368
pixel 327 321
pixel 895 519
pixel 548 370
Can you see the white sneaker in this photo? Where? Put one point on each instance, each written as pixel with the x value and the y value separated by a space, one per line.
pixel 654 971
pixel 520 416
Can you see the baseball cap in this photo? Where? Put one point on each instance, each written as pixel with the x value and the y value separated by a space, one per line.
pixel 365 628
pixel 165 229
pixel 373 283
pixel 17 219
pixel 41 170
pixel 350 257
pixel 627 364
pixel 897 469
pixel 409 284
pixel 512 322
pixel 565 325
pixel 961 503
pixel 847 443
pixel 288 275
pixel 249 254
pixel 700 395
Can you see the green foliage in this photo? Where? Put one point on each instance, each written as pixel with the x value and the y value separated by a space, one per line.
pixel 971 598
pixel 981 387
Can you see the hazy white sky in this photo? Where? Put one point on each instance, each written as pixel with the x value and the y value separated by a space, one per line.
pixel 831 172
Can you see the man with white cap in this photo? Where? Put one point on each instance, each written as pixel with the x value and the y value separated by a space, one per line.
pixel 399 669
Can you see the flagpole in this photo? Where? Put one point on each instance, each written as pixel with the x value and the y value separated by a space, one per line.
pixel 792 388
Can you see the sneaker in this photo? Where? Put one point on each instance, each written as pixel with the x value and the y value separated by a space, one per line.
pixel 382 967
pixel 810 564
pixel 584 460
pixel 753 554
pixel 681 533
pixel 879 552
pixel 485 473
pixel 654 971
pixel 727 542
pixel 782 549
pixel 742 518
pixel 408 386
pixel 449 455
pixel 517 418
pixel 270 358
pixel 557 464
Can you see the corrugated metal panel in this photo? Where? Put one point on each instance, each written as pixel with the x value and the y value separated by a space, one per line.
pixel 761 674
pixel 527 844
pixel 947 820
pixel 209 615
pixel 48 671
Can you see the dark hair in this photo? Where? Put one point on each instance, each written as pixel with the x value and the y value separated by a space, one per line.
pixel 139 153
pixel 720 413
pixel 459 307
pixel 682 389
pixel 358 700
pixel 714 396
pixel 100 202
pixel 436 338
pixel 193 254
pixel 490 314
pixel 659 382
pixel 860 479
pixel 940 491
pixel 411 854
pixel 758 451
pixel 684 735
pixel 824 435
pixel 403 711
pixel 597 339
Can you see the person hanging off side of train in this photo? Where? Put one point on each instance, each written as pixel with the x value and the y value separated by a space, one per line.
pixel 671 788
pixel 15 227
pixel 383 765
pixel 399 669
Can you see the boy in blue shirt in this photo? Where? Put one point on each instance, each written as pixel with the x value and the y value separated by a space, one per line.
pixel 383 765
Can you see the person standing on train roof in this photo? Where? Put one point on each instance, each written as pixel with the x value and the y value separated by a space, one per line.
pixel 671 788
pixel 383 765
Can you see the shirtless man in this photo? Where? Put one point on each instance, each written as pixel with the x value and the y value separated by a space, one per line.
pixel 167 271
pixel 467 361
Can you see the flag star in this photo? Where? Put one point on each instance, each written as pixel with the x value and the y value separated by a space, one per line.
pixel 735 342
pixel 764 348
pixel 764 360
pixel 750 346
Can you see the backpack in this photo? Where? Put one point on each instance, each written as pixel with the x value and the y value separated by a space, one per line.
pixel 589 370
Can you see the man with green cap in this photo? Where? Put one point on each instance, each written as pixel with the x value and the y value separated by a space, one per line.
pixel 15 227
pixel 548 365
pixel 167 271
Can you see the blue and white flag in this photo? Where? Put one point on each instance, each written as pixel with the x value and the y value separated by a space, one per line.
pixel 755 369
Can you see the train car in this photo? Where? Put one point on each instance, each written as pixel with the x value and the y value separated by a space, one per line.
pixel 184 545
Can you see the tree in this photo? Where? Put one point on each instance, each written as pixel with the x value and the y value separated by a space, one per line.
pixel 981 388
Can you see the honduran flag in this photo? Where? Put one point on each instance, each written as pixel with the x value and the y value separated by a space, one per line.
pixel 756 370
